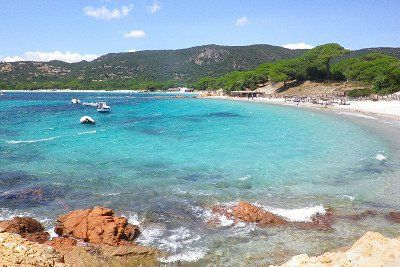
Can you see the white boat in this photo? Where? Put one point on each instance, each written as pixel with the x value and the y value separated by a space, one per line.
pixel 90 104
pixel 2 93
pixel 102 107
pixel 75 101
pixel 87 119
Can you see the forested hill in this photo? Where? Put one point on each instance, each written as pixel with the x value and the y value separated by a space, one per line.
pixel 160 65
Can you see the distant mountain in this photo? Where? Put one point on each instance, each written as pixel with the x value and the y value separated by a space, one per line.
pixel 187 64
pixel 158 65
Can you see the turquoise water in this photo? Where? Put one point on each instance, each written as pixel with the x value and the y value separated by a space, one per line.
pixel 166 162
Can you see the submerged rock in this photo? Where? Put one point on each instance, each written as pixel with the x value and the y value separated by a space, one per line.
pixel 27 227
pixel 393 216
pixel 17 251
pixel 372 249
pixel 97 226
pixel 318 221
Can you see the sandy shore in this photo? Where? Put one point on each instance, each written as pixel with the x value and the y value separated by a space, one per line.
pixel 361 108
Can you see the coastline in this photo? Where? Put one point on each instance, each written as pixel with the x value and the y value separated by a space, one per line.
pixel 364 108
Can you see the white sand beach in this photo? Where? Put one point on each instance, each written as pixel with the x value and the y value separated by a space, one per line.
pixel 389 109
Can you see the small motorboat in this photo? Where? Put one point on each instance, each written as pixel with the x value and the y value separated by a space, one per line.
pixel 75 101
pixel 87 120
pixel 90 104
pixel 102 107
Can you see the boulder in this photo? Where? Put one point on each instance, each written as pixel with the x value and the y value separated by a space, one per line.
pixel 17 251
pixel 27 227
pixel 249 213
pixel 393 216
pixel 97 226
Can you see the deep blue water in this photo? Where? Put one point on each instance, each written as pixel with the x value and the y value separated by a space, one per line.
pixel 166 162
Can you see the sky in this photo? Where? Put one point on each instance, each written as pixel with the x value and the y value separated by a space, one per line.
pixel 75 30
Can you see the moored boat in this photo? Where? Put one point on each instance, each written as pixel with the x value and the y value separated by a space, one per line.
pixel 75 101
pixel 87 120
pixel 102 107
pixel 90 104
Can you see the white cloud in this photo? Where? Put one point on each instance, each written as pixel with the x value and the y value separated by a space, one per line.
pixel 67 56
pixel 154 8
pixel 131 50
pixel 135 34
pixel 242 21
pixel 107 14
pixel 298 46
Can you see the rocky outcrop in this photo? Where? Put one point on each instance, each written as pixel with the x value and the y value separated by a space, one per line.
pixel 27 227
pixel 17 251
pixel 249 213
pixel 96 226
pixel 372 249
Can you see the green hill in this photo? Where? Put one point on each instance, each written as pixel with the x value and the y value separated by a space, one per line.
pixel 160 65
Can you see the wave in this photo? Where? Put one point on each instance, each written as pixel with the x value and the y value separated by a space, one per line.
pixel 357 115
pixel 190 255
pixel 32 141
pixel 88 132
pixel 297 215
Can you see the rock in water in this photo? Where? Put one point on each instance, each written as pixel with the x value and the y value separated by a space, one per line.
pixel 96 226
pixel 250 213
pixel 17 251
pixel 27 227
pixel 393 216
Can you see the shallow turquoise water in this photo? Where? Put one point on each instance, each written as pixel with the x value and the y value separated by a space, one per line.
pixel 165 162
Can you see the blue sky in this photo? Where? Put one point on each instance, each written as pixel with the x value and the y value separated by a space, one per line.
pixel 37 29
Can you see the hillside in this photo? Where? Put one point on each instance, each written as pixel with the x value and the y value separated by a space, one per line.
pixel 161 65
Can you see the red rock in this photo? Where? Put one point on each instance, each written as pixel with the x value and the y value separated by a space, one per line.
pixel 21 225
pixel 393 216
pixel 97 226
pixel 319 222
pixel 27 227
pixel 250 213
pixel 62 243
pixel 40 237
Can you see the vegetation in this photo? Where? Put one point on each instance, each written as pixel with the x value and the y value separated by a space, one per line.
pixel 379 70
pixel 207 68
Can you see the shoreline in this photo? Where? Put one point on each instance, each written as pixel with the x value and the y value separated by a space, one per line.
pixel 362 108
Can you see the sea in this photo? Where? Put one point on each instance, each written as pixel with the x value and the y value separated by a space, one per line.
pixel 164 162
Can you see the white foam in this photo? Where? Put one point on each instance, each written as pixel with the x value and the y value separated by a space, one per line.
pixel 224 221
pixel 358 115
pixel 132 217
pixel 380 157
pixel 88 132
pixel 244 178
pixel 52 233
pixel 32 141
pixel 190 255
pixel 298 215
pixel 150 234
pixel 350 197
